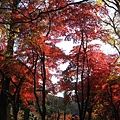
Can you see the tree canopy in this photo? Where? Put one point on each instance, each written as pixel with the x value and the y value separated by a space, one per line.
pixel 29 58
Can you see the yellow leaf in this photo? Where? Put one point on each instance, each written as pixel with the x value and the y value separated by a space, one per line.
pixel 111 41
pixel 99 1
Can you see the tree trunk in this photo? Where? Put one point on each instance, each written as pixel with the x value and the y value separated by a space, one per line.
pixel 90 113
pixel 15 108
pixel 3 106
pixel 4 98
pixel 43 88
pixel 58 117
pixel 26 114
pixel 65 115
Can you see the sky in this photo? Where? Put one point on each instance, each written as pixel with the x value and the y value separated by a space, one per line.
pixel 105 47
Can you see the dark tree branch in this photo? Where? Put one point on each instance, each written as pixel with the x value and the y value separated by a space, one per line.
pixel 29 19
pixel 109 5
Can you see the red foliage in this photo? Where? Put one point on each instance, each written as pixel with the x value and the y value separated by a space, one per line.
pixel 28 52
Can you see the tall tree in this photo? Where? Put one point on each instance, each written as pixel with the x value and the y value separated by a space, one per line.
pixel 81 31
pixel 86 90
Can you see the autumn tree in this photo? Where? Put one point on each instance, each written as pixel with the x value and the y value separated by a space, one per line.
pixel 87 90
pixel 80 77
pixel 19 53
pixel 28 54
pixel 26 51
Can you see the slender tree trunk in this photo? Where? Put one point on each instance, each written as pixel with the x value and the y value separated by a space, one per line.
pixel 43 89
pixel 58 117
pixel 82 105
pixel 26 114
pixel 90 114
pixel 76 87
pixel 15 110
pixel 35 93
pixel 65 115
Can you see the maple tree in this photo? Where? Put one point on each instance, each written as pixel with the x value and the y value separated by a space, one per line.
pixel 83 85
pixel 81 74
